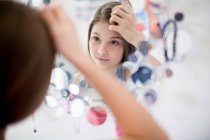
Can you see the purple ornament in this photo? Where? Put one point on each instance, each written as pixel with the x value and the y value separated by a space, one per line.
pixel 150 96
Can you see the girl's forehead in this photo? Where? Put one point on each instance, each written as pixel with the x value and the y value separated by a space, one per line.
pixel 102 27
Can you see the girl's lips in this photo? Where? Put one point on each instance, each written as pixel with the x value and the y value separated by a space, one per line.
pixel 102 59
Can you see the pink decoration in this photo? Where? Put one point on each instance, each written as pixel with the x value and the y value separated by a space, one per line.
pixel 140 27
pixel 118 130
pixel 96 115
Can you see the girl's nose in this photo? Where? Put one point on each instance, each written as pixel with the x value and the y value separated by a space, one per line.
pixel 102 50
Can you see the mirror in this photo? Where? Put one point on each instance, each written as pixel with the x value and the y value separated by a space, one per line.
pixel 62 75
pixel 75 96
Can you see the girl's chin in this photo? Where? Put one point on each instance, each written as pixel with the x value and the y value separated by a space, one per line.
pixel 102 67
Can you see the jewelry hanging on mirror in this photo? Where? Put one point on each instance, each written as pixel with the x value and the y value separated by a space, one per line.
pixel 150 96
pixel 96 115
pixel 173 22
pixel 76 125
pixel 34 123
pixel 147 94
pixel 178 17
pixel 142 75
pixel 77 109
pixel 168 72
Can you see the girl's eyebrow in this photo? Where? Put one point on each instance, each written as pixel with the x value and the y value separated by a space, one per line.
pixel 114 37
pixel 117 37
pixel 95 33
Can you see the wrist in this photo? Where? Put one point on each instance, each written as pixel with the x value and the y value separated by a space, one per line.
pixel 137 40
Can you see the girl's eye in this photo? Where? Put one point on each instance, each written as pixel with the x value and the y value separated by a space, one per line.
pixel 95 38
pixel 114 42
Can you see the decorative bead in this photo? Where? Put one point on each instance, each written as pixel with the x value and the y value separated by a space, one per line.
pixel 150 96
pixel 65 93
pixel 97 115
pixel 77 107
pixel 74 89
pixel 83 84
pixel 51 102
pixel 143 74
pixel 169 72
pixel 179 16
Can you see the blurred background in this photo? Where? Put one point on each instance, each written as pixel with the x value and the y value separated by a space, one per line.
pixel 182 106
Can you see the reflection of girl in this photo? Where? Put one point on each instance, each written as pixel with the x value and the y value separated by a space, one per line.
pixel 112 36
pixel 108 36
pixel 140 124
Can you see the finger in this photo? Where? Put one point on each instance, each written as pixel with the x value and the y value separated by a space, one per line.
pixel 115 19
pixel 48 16
pixel 114 28
pixel 126 2
pixel 120 7
pixel 59 12
pixel 127 9
pixel 118 12
pixel 51 17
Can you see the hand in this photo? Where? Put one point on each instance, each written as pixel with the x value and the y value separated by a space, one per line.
pixel 62 30
pixel 123 21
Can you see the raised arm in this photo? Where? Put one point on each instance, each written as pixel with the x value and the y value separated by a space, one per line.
pixel 131 116
pixel 124 22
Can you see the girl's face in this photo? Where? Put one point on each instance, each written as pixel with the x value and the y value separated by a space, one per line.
pixel 106 47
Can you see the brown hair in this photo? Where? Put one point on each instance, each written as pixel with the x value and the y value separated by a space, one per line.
pixel 26 60
pixel 104 14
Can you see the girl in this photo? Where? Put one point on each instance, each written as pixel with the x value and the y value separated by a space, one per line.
pixel 26 58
